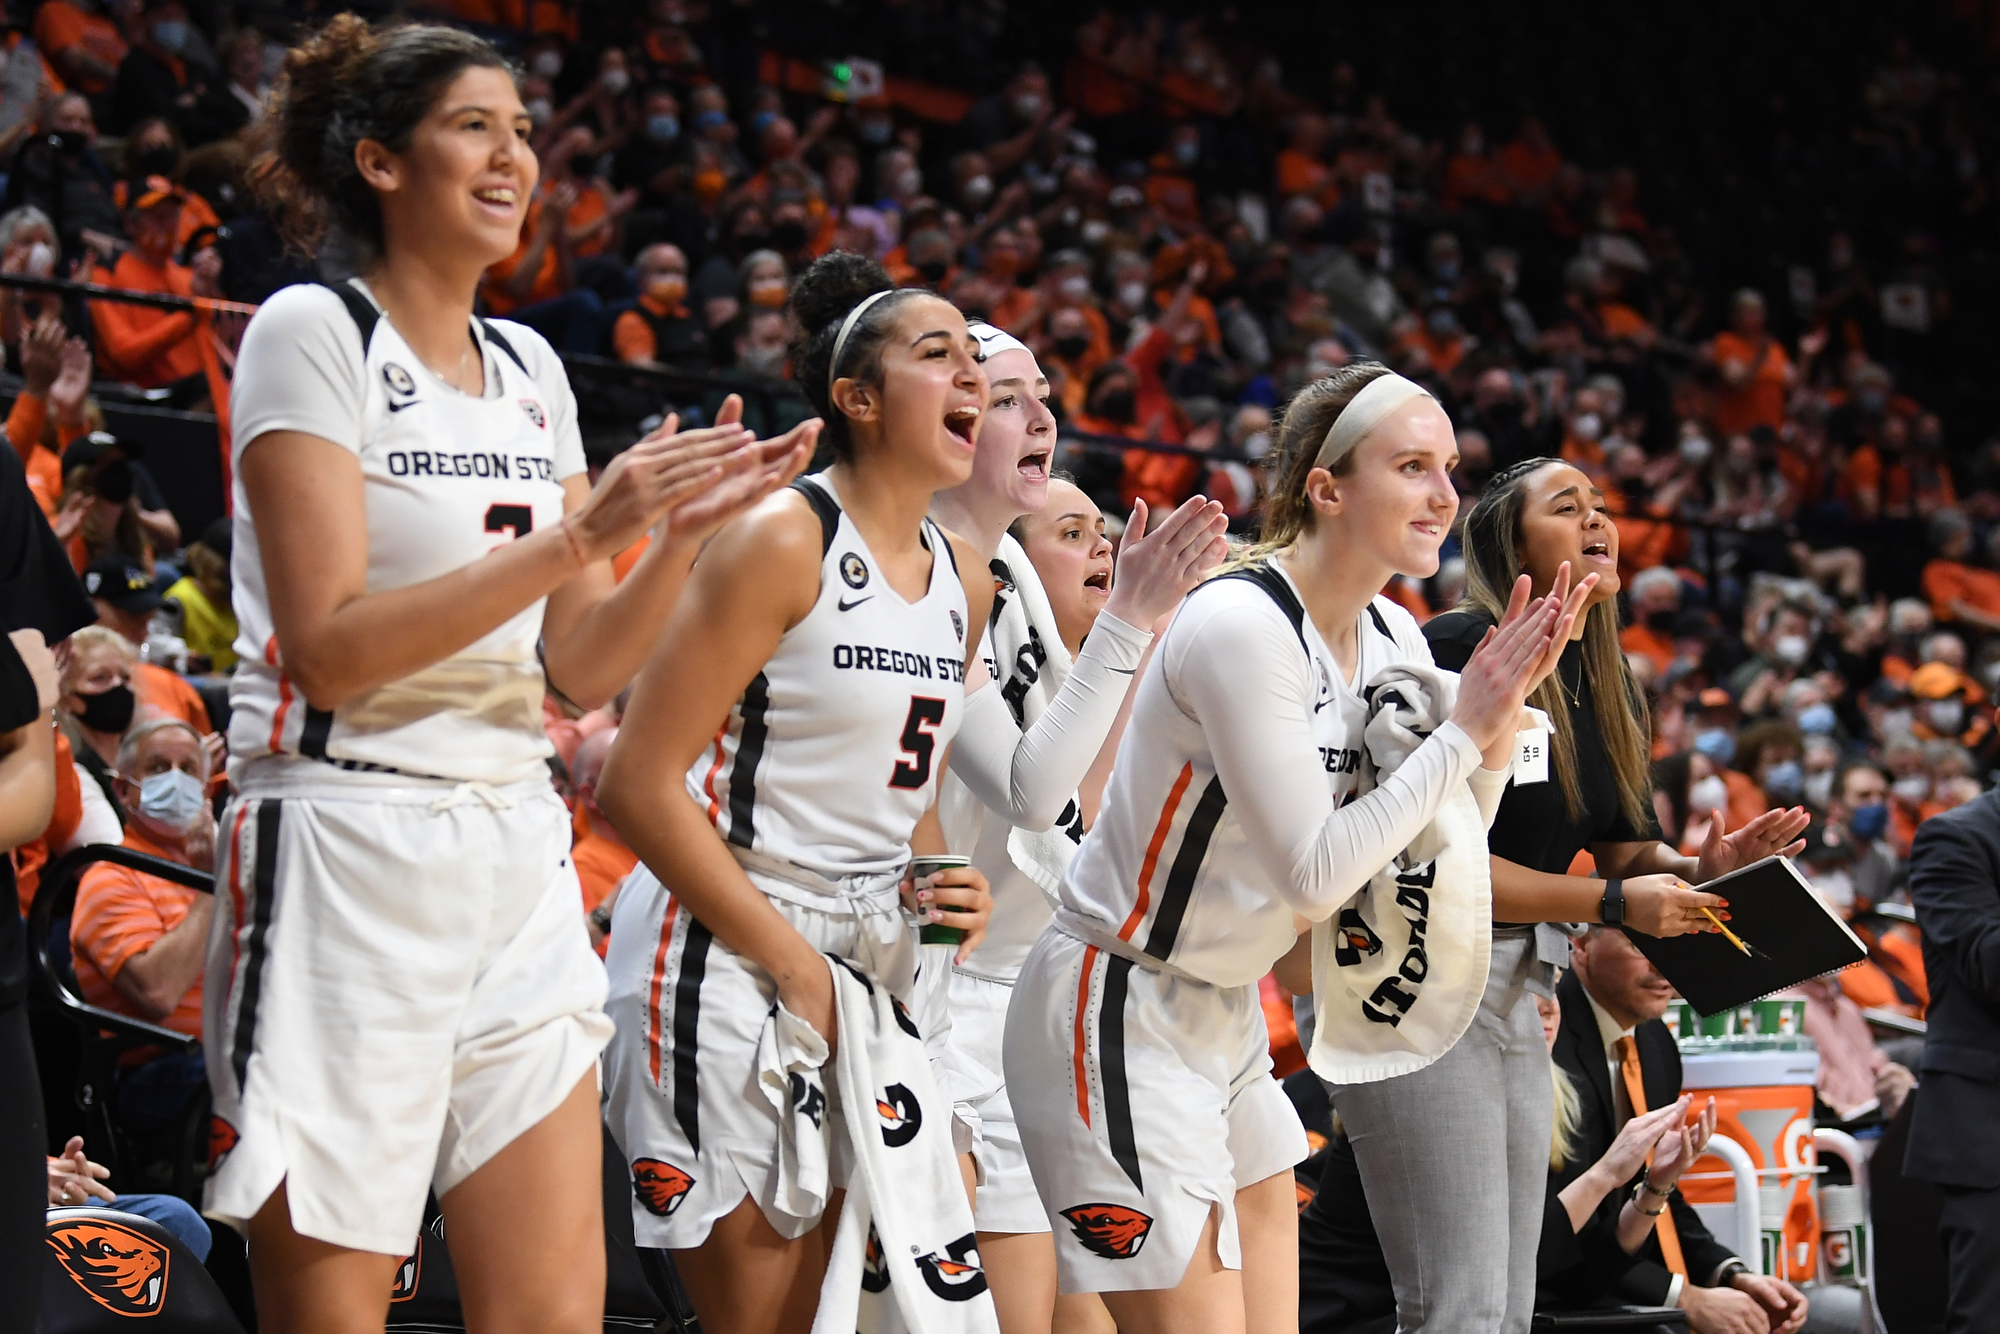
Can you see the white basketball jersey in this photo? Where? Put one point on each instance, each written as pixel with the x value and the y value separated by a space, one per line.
pixel 1168 867
pixel 832 753
pixel 446 479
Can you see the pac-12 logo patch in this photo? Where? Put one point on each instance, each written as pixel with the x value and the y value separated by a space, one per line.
pixel 854 570
pixel 955 1275
pixel 535 413
pixel 123 1270
pixel 660 1186
pixel 901 1117
pixel 1110 1230
pixel 400 382
pixel 958 625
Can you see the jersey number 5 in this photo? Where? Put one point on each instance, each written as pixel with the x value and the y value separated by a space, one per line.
pixel 918 743
pixel 515 520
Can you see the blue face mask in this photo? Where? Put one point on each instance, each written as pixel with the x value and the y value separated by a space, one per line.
pixel 171 34
pixel 663 128
pixel 1784 781
pixel 1870 822
pixel 711 120
pixel 1718 743
pixel 1816 719
pixel 172 799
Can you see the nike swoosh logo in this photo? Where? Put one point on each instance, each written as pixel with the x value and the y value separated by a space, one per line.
pixel 398 407
pixel 845 605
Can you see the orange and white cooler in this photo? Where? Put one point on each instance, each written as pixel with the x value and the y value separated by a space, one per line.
pixel 1763 1091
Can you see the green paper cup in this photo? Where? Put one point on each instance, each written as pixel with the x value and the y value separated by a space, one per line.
pixel 937 933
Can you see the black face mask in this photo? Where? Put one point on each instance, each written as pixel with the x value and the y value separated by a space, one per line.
pixel 1661 619
pixel 108 712
pixel 934 269
pixel 69 141
pixel 1117 405
pixel 155 162
pixel 752 240
pixel 583 166
pixel 1072 347
pixel 114 482
pixel 788 236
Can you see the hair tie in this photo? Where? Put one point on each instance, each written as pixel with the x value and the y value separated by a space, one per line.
pixel 1364 412
pixel 847 327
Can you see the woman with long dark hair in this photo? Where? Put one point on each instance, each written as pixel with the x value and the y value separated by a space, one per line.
pixel 400 995
pixel 1460 1228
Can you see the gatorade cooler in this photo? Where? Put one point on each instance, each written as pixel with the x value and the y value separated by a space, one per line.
pixel 1763 1091
pixel 1764 1018
pixel 1843 1248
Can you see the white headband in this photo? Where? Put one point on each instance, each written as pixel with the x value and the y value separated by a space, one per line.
pixel 1364 412
pixel 993 340
pixel 847 327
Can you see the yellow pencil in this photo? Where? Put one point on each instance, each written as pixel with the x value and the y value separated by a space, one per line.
pixel 1728 935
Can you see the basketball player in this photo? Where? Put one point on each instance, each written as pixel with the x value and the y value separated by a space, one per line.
pixel 1026 745
pixel 400 996
pixel 775 771
pixel 1136 1056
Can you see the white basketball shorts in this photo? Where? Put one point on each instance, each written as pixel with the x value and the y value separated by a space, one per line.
pixel 399 984
pixel 1006 1200
pixel 681 1072
pixel 1145 1102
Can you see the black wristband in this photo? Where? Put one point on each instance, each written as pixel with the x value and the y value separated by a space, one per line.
pixel 1611 908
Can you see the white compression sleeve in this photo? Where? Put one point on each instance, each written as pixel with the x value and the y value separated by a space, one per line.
pixel 1029 777
pixel 1241 675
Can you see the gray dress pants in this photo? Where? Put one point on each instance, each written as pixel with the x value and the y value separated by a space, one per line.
pixel 1455 1160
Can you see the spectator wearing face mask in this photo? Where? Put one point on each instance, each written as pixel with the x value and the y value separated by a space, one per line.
pixel 157 77
pixel 1771 754
pixel 1718 787
pixel 140 943
pixel 1784 651
pixel 761 343
pixel 59 172
pixel 111 504
pixel 660 330
pixel 126 597
pixel 1951 706
pixel 1656 601
pixel 154 349
pixel 154 147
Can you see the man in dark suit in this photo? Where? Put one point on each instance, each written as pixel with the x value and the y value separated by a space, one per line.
pixel 1955 885
pixel 1612 1000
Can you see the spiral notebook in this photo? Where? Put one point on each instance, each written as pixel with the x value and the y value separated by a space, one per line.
pixel 1793 935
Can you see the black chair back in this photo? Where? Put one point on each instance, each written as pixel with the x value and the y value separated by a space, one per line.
pixel 104 1268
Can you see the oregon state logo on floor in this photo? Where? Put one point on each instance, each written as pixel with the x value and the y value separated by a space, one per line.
pixel 123 1270
pixel 1110 1230
pixel 660 1186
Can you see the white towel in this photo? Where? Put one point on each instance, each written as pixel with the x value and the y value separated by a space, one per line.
pixel 1398 974
pixel 790 1057
pixel 905 1258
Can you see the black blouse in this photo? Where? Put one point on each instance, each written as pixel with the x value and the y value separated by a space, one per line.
pixel 1534 827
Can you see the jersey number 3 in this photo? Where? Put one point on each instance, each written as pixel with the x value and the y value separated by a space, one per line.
pixel 515 520
pixel 918 743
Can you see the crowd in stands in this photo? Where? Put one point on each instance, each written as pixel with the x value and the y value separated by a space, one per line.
pixel 1185 228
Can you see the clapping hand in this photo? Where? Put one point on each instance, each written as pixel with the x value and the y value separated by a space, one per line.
pixel 1156 570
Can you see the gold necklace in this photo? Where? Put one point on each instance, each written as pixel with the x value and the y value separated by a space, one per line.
pixel 1575 697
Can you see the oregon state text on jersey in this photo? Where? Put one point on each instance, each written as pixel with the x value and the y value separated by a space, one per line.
pixel 446 478
pixel 831 755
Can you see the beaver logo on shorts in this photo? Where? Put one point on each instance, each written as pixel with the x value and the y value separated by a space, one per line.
pixel 874 1265
pixel 956 1275
pixel 660 1186
pixel 409 1270
pixel 1355 939
pixel 123 1270
pixel 901 1117
pixel 1110 1230
pixel 222 1138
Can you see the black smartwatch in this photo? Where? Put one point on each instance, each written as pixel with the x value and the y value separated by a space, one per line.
pixel 1611 909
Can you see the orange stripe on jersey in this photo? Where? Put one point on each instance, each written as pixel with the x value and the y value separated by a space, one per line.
pixel 1153 852
pixel 235 853
pixel 659 982
pixel 1082 1012
pixel 284 697
pixel 708 783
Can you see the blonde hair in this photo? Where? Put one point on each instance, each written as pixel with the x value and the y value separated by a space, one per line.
pixel 95 637
pixel 1302 428
pixel 1568 1118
